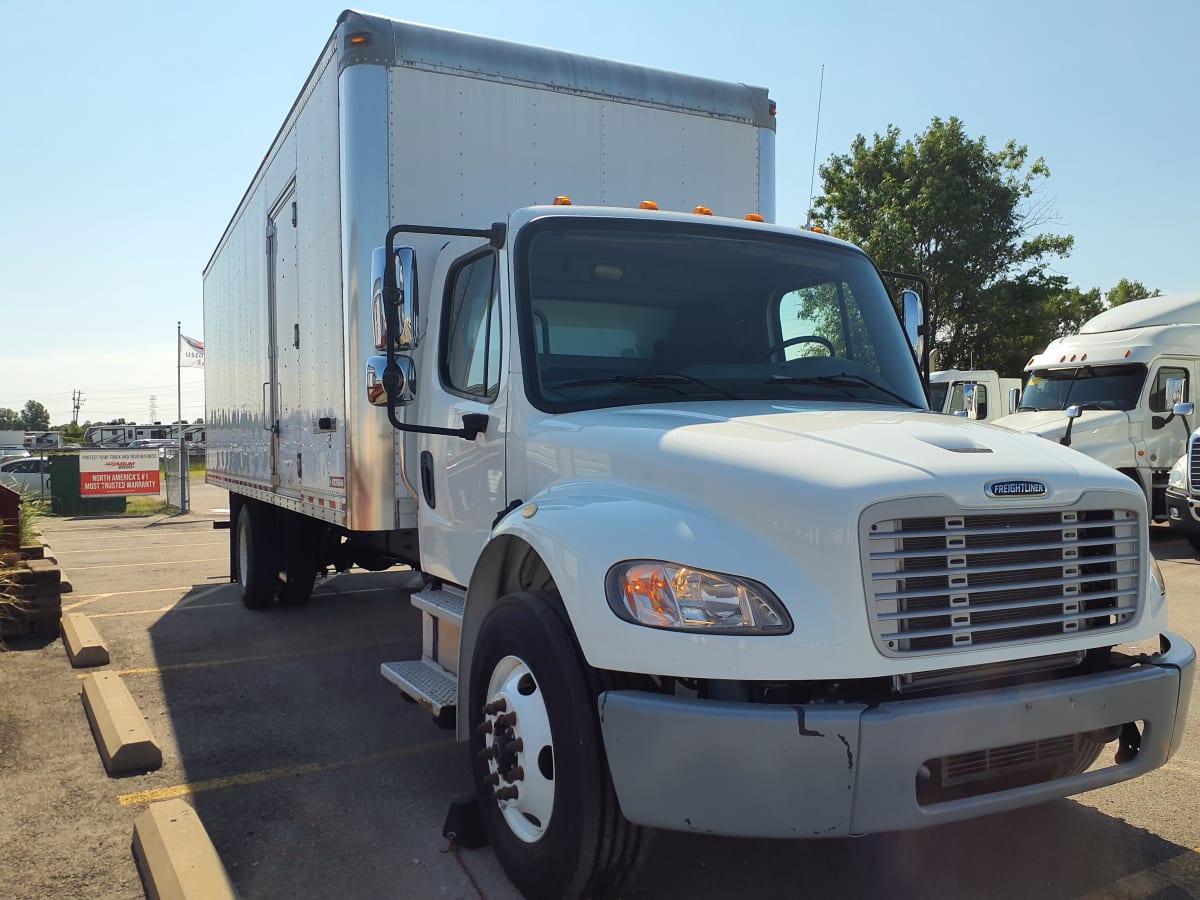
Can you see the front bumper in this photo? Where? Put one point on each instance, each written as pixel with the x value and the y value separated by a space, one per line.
pixel 825 770
pixel 1183 513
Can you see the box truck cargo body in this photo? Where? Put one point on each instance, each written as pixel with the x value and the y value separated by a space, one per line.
pixel 696 553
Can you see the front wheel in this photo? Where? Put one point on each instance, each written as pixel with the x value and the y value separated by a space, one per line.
pixel 547 802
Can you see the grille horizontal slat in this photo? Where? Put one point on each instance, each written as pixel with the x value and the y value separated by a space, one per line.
pixel 949 582
pixel 978 551
pixel 993 588
pixel 991 607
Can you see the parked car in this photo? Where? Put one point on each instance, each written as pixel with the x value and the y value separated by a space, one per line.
pixel 151 443
pixel 7 453
pixel 29 476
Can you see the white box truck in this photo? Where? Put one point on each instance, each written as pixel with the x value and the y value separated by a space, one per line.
pixel 978 394
pixel 1120 378
pixel 697 555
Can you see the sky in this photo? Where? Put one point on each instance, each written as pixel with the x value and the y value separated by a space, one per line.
pixel 130 130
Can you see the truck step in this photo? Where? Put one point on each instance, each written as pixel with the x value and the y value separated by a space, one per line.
pixel 425 681
pixel 441 604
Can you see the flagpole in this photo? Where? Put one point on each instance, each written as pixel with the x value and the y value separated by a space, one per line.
pixel 183 457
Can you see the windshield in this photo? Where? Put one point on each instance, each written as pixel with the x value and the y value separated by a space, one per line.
pixel 615 313
pixel 1092 387
pixel 937 395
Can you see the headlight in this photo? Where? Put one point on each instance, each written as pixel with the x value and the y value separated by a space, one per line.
pixel 679 598
pixel 1178 477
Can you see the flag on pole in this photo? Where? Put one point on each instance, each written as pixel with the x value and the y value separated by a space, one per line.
pixel 191 352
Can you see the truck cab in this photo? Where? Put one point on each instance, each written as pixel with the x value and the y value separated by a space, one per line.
pixel 977 394
pixel 1126 370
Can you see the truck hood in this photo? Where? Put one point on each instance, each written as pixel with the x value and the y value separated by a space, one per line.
pixel 1052 423
pixel 742 458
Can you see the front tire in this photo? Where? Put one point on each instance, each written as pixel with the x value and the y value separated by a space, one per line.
pixel 545 794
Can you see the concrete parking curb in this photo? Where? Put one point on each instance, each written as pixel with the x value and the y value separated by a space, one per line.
pixel 82 641
pixel 122 735
pixel 175 856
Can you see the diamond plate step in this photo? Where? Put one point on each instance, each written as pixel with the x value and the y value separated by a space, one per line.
pixel 441 604
pixel 425 681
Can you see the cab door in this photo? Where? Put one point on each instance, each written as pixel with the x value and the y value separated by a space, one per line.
pixel 1170 382
pixel 461 483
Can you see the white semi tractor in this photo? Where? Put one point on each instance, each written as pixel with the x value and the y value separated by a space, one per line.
pixel 1110 391
pixel 978 394
pixel 697 555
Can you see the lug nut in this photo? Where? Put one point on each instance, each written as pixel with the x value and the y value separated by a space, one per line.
pixel 489 752
pixel 507 793
pixel 497 706
pixel 516 773
pixel 486 727
pixel 515 745
pixel 492 779
pixel 507 720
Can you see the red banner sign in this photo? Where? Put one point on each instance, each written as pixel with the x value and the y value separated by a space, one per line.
pixel 116 473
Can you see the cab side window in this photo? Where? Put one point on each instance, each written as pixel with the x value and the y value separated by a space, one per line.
pixel 1166 391
pixel 470 362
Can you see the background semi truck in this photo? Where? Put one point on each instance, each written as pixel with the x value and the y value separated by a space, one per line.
pixel 978 394
pixel 696 553
pixel 1125 370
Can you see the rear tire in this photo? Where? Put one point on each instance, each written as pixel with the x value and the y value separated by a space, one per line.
pixel 562 835
pixel 258 559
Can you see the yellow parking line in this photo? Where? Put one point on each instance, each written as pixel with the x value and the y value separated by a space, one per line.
pixel 160 609
pixel 212 784
pixel 1182 871
pixel 291 654
pixel 143 564
pixel 85 602
pixel 154 547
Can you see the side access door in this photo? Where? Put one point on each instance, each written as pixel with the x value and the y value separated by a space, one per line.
pixel 464 370
pixel 282 395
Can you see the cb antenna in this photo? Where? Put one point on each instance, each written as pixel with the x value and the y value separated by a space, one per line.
pixel 813 179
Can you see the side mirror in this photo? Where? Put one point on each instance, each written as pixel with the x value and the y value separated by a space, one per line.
pixel 914 321
pixel 377 375
pixel 394 298
pixel 1014 399
pixel 1073 412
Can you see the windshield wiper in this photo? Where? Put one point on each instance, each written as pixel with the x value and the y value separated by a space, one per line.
pixel 648 379
pixel 842 381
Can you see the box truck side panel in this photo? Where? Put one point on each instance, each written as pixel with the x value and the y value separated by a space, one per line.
pixel 236 368
pixel 318 325
pixel 467 150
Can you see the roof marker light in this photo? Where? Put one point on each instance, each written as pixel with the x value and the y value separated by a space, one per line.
pixel 357 39
pixel 1127 352
pixel 647 204
pixel 702 211
pixel 562 200
pixel 1082 358
pixel 754 217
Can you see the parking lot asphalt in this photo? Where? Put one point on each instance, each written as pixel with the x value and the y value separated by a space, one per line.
pixel 315 778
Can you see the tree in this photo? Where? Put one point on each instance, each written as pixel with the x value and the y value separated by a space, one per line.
pixel 964 217
pixel 1125 290
pixel 10 420
pixel 35 416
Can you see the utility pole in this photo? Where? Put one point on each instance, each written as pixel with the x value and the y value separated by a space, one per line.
pixel 76 402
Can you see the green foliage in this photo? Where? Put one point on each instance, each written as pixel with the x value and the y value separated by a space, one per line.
pixel 72 433
pixel 967 219
pixel 10 420
pixel 35 416
pixel 1125 290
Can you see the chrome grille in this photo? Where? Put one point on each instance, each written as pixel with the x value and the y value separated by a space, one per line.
pixel 956 581
pixel 1194 463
